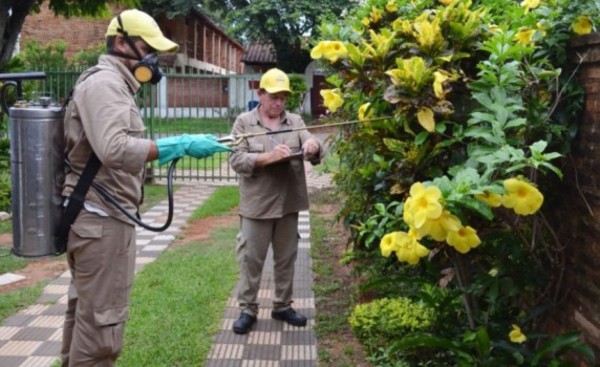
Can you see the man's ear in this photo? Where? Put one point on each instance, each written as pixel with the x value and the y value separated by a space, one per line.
pixel 120 43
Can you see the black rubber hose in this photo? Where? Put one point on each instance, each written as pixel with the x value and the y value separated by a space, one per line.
pixel 104 193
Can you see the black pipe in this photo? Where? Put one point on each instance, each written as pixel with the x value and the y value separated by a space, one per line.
pixel 15 79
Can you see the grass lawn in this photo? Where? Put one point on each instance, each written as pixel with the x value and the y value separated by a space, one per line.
pixel 178 301
pixel 190 126
pixel 11 302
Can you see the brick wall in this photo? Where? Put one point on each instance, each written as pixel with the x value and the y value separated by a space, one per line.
pixel 79 33
pixel 198 92
pixel 577 219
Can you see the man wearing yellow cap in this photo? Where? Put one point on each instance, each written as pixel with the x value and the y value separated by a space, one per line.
pixel 272 192
pixel 102 119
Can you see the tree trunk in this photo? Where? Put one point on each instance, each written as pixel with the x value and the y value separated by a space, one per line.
pixel 11 25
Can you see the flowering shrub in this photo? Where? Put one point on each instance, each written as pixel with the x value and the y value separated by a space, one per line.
pixel 464 113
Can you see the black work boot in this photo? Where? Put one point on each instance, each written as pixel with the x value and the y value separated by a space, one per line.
pixel 244 323
pixel 290 316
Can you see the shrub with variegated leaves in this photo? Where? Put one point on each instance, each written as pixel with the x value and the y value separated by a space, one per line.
pixel 464 107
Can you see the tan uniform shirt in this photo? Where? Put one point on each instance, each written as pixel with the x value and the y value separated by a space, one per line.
pixel 103 116
pixel 277 189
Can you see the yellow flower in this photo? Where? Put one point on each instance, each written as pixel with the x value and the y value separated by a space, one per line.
pixel 405 245
pixel 331 50
pixel 362 110
pixel 317 51
pixel 375 14
pixel 332 99
pixel 525 36
pixel 582 25
pixel 445 2
pixel 391 6
pixel 438 228
pixel 409 249
pixel 388 244
pixel 522 197
pixel 516 336
pixel 365 21
pixel 407 216
pixel 424 204
pixel 530 4
pixel 464 239
pixel 490 198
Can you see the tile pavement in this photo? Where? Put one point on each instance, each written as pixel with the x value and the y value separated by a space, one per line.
pixel 272 343
pixel 32 337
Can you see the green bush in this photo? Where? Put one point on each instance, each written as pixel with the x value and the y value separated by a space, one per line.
pixel 299 88
pixel 389 318
pixel 462 104
pixel 89 56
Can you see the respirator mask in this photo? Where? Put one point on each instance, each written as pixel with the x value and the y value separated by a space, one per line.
pixel 146 70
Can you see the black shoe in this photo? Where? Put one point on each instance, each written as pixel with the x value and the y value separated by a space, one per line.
pixel 244 323
pixel 290 316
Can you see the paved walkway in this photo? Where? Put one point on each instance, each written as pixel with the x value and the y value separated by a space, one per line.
pixel 32 337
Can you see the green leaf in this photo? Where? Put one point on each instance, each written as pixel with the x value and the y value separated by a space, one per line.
pixel 355 55
pixel 477 206
pixel 568 341
pixel 432 342
pixel 483 342
pixel 515 123
pixel 421 137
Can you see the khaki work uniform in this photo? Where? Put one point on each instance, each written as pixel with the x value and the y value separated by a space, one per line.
pixel 102 116
pixel 270 199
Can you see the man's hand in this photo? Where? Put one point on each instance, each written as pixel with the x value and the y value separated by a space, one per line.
pixel 311 147
pixel 279 152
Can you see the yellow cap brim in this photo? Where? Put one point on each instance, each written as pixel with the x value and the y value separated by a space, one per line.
pixel 161 44
pixel 273 90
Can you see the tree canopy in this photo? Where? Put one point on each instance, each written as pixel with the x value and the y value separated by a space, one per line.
pixel 284 23
pixel 14 12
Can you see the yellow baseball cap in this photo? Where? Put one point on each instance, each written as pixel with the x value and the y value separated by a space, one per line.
pixel 275 81
pixel 136 23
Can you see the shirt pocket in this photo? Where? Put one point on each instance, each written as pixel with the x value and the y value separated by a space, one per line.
pixel 256 148
pixel 293 143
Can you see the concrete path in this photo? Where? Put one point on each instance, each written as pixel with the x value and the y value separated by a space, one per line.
pixel 32 337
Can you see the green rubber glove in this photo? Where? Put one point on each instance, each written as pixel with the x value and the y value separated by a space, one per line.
pixel 203 146
pixel 197 146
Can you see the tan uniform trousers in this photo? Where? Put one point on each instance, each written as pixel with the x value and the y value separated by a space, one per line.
pixel 253 244
pixel 101 256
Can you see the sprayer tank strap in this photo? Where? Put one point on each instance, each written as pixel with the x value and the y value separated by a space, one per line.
pixel 76 199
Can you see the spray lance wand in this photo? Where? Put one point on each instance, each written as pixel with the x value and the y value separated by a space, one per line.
pixel 233 140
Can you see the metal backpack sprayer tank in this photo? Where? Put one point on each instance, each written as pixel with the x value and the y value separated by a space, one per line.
pixel 37 160
pixel 37 168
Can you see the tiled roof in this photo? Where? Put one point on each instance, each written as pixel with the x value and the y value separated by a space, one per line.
pixel 257 54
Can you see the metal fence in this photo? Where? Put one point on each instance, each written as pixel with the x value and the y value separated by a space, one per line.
pixel 180 103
